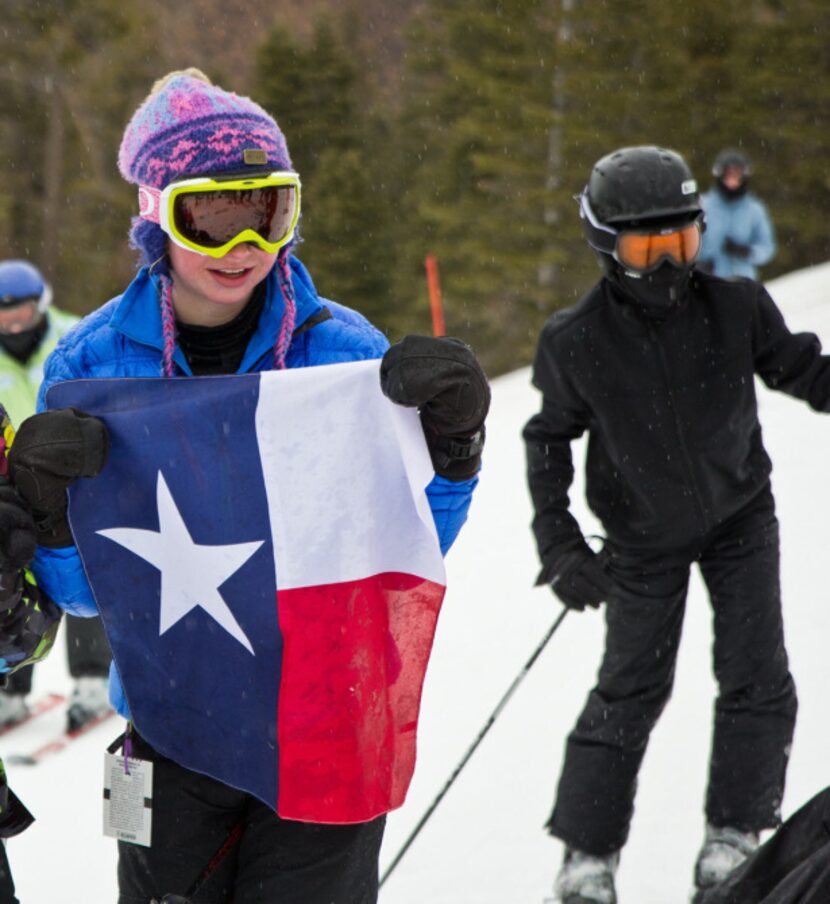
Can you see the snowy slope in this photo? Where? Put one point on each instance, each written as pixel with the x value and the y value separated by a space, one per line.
pixel 485 843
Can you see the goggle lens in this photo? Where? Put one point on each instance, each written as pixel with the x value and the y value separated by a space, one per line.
pixel 213 218
pixel 643 251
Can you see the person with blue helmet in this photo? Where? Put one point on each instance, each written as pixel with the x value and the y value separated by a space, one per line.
pixel 739 236
pixel 30 328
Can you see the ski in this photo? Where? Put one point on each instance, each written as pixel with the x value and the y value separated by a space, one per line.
pixel 38 708
pixel 58 744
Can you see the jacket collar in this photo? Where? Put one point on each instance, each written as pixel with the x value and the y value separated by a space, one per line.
pixel 137 314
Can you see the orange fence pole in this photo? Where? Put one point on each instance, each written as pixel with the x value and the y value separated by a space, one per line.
pixel 435 303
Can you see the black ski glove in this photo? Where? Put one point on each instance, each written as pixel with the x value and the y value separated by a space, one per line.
pixel 49 452
pixel 737 249
pixel 17 530
pixel 443 379
pixel 579 580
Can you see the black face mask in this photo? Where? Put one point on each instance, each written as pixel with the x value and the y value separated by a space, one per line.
pixel 731 194
pixel 658 292
pixel 23 345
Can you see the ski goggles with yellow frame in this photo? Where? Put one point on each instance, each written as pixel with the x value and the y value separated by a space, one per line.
pixel 213 214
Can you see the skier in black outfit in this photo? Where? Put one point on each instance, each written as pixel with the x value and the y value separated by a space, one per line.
pixel 657 363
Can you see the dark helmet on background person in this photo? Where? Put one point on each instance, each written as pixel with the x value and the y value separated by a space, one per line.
pixel 731 158
pixel 22 282
pixel 731 170
pixel 641 213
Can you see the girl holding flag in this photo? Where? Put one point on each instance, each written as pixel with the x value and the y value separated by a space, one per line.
pixel 220 292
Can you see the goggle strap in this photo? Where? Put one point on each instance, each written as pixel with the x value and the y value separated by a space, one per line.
pixel 588 212
pixel 45 298
pixel 149 203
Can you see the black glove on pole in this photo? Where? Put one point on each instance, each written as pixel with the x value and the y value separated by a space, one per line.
pixel 579 580
pixel 737 249
pixel 443 379
pixel 49 452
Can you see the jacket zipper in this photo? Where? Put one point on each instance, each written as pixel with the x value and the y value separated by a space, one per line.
pixel 687 459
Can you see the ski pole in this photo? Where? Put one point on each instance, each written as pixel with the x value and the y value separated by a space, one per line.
pixel 189 896
pixel 487 726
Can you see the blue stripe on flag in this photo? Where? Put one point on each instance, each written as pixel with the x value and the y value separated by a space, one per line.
pixel 195 693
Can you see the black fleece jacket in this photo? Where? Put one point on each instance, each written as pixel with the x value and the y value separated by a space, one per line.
pixel 669 404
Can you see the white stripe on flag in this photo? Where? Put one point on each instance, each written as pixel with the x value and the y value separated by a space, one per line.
pixel 345 472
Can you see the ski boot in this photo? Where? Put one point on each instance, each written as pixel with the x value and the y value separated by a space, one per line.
pixel 724 850
pixel 586 879
pixel 88 701
pixel 13 709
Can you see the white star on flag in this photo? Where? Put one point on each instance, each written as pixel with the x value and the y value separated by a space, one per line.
pixel 191 573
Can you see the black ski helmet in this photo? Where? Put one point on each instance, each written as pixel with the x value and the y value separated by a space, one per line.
pixel 634 187
pixel 731 158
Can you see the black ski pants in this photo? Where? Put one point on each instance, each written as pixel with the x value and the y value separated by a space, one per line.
pixel 275 861
pixel 87 650
pixel 755 710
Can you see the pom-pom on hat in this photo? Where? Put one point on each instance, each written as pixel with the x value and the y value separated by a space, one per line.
pixel 187 127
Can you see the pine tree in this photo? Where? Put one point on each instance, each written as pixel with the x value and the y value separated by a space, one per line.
pixel 776 111
pixel 702 77
pixel 320 103
pixel 477 116
pixel 74 72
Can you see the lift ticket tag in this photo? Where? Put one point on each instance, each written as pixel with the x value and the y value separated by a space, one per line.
pixel 128 799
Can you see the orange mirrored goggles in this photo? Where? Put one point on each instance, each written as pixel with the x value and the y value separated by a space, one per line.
pixel 643 251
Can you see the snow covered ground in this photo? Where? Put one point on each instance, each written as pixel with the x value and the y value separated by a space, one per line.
pixel 485 843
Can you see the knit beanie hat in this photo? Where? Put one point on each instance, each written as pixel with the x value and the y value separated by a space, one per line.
pixel 188 126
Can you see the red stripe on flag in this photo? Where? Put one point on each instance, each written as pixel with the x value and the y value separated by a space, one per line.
pixel 353 669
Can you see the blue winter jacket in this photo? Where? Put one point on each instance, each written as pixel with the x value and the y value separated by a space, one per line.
pixel 124 339
pixel 744 220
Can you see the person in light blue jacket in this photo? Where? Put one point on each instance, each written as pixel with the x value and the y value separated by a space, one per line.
pixel 220 292
pixel 739 236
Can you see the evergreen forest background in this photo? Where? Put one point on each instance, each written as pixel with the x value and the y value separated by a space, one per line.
pixel 460 129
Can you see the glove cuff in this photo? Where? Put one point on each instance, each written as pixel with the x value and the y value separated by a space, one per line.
pixel 456 457
pixel 53 528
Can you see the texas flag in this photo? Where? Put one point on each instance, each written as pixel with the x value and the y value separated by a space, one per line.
pixel 264 558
